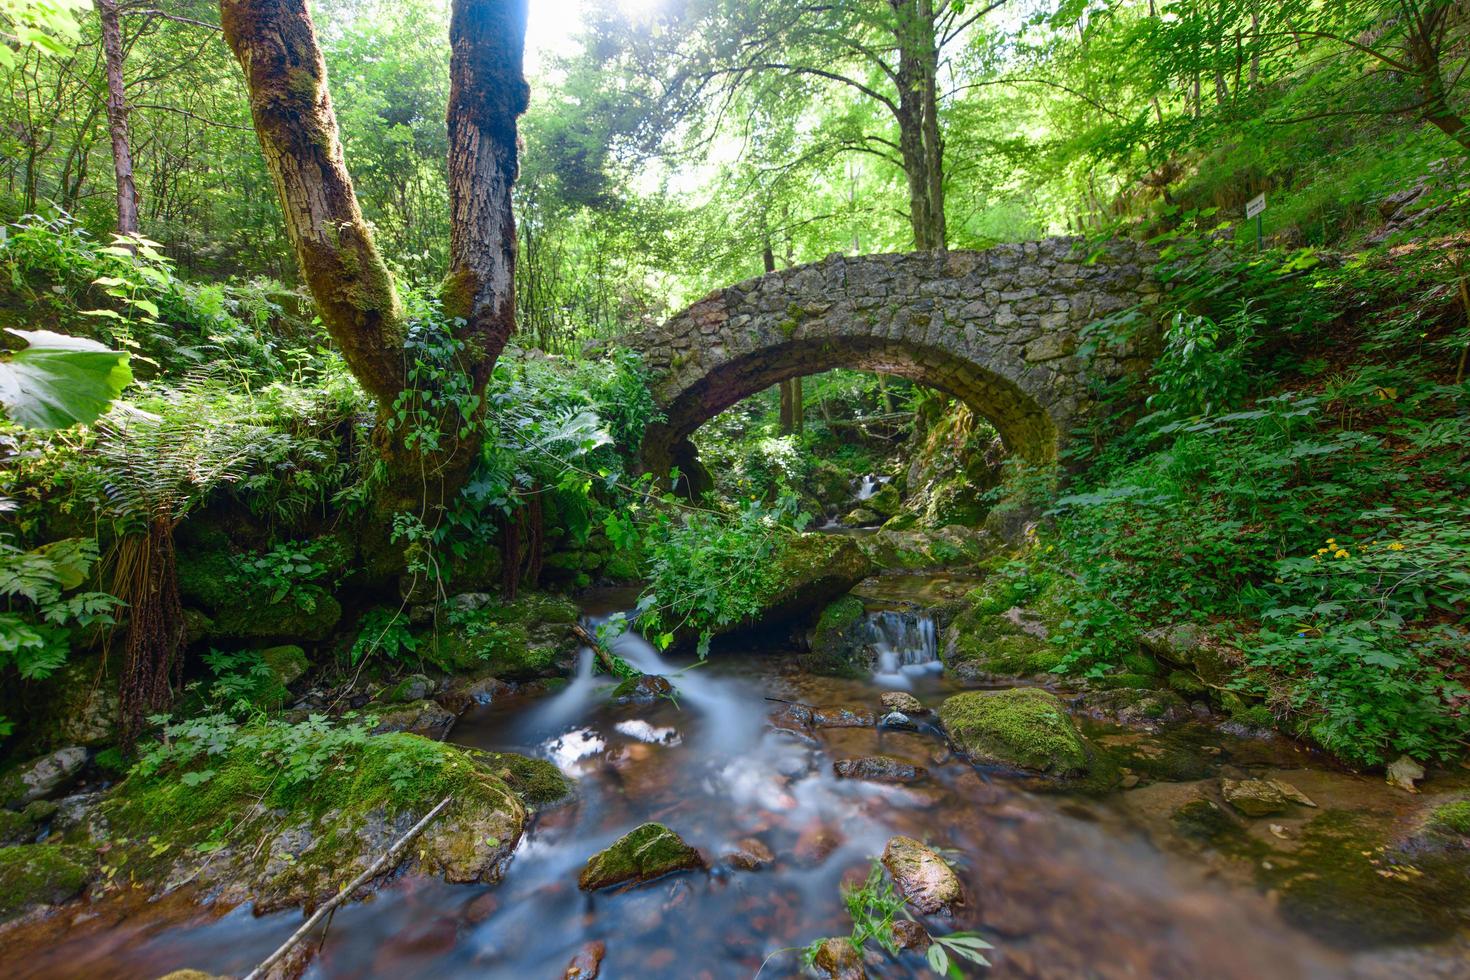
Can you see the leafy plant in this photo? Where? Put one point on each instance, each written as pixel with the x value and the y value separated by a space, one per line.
pixel 38 588
pixel 302 573
pixel 57 381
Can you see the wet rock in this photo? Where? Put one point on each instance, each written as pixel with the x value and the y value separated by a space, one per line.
pixel 837 960
pixel 842 718
pixel 1262 797
pixel 1148 710
pixel 42 778
pixel 75 811
pixel 32 875
pixel 816 843
pixel 427 718
pixel 901 701
pixel 898 720
pixel 862 517
pixel 465 692
pixel 838 642
pixel 414 687
pixel 644 853
pixel 908 934
pixel 536 781
pixel 1024 727
pixel 750 854
pixel 879 769
pixel 794 719
pixel 642 689
pixel 1403 773
pixel 923 878
pixel 587 963
pixel 23 827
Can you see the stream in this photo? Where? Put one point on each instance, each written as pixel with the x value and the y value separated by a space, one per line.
pixel 1064 886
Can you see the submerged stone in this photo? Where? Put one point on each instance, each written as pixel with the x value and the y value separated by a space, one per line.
pixel 901 701
pixel 1024 727
pixel 750 854
pixel 923 878
pixel 587 964
pixel 1262 797
pixel 647 852
pixel 842 718
pixel 642 689
pixel 879 769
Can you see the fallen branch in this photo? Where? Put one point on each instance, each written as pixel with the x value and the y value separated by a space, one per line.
pixel 389 858
pixel 604 657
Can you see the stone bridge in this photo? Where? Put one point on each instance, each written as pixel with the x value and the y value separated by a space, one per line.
pixel 1000 329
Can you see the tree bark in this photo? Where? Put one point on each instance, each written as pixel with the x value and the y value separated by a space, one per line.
pixel 286 78
pixel 117 118
pixel 919 140
pixel 488 93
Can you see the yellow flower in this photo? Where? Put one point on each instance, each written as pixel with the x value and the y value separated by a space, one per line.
pixel 1332 541
pixel 1341 553
pixel 1323 551
pixel 1396 546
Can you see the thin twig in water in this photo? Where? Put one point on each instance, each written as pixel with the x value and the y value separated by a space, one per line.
pixel 327 907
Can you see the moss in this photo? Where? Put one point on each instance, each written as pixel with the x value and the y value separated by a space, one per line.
pixel 1135 682
pixel 1163 759
pixel 1184 682
pixel 15 827
pixel 1139 663
pixel 838 616
pixel 536 781
pixel 40 874
pixel 514 640
pixel 111 761
pixel 986 643
pixel 1024 727
pixel 1204 820
pixel 1452 817
pixel 1255 716
pixel 643 853
pixel 1341 885
pixel 286 663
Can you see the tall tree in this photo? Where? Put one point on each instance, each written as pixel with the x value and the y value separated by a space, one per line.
pixel 117 118
pixel 276 44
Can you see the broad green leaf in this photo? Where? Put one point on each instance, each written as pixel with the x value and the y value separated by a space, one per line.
pixel 58 381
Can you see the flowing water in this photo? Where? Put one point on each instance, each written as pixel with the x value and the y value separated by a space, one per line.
pixel 1063 886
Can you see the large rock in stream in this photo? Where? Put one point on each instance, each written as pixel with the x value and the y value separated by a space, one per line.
pixel 924 879
pixel 642 854
pixel 309 836
pixel 813 570
pixel 1024 727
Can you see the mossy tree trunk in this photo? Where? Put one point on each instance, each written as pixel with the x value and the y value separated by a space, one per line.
pixel 275 42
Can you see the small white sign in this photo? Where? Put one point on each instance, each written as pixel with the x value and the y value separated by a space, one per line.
pixel 1256 206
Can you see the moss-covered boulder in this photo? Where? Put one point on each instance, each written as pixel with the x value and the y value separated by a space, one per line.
pixel 647 852
pixel 837 642
pixel 239 610
pixel 313 833
pixel 1005 631
pixel 945 547
pixel 813 570
pixel 1024 727
pixel 32 875
pixel 530 637
pixel 886 502
pixel 536 781
pixel 423 717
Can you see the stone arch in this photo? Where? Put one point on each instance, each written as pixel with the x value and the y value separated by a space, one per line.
pixel 1000 329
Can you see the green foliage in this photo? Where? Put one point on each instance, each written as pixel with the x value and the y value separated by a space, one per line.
pixel 57 381
pixel 708 570
pixel 42 604
pixel 299 572
pixel 384 631
pixel 875 905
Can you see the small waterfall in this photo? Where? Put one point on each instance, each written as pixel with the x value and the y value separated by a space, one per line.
pixel 570 704
pixel 905 644
pixel 868 487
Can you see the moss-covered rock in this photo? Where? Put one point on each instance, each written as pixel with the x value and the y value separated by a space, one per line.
pixel 862 516
pixel 519 640
pixel 944 547
pixel 287 663
pixel 1452 818
pixel 644 853
pixel 837 642
pixel 1023 727
pixel 423 717
pixel 40 874
pixel 536 781
pixel 813 570
pixel 319 832
pixel 236 610
pixel 982 645
pixel 886 502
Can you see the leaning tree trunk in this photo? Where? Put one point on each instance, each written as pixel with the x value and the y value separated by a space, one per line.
pixel 117 118
pixel 285 75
